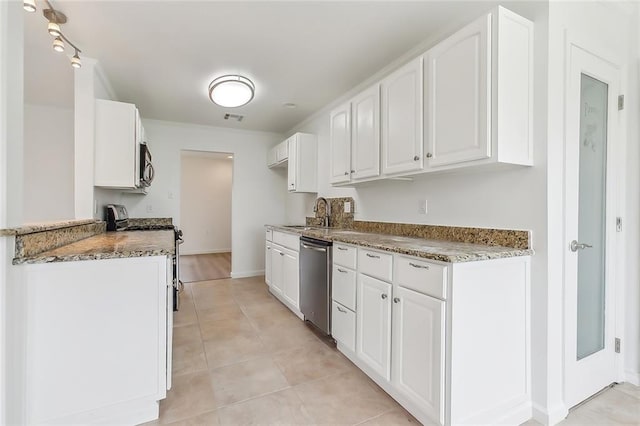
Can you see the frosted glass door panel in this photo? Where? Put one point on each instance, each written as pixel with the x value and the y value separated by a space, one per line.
pixel 591 216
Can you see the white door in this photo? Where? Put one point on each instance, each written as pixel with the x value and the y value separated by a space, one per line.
pixel 365 136
pixel 267 263
pixel 590 359
pixel 373 320
pixel 277 269
pixel 340 141
pixel 401 119
pixel 418 350
pixel 291 283
pixel 458 94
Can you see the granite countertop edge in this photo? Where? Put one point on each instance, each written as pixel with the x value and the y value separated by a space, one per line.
pixel 90 256
pixel 468 252
pixel 30 229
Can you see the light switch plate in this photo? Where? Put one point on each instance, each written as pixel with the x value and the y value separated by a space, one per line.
pixel 422 207
pixel 347 206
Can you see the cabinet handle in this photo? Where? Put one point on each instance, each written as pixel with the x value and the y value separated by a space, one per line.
pixel 396 300
pixel 373 256
pixel 353 171
pixel 416 158
pixel 415 265
pixel 429 155
pixel 341 310
pixel 268 248
pixel 281 254
pixel 346 173
pixel 383 296
pixel 341 270
pixel 343 248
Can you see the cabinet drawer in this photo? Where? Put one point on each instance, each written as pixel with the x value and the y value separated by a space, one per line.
pixel 344 255
pixel 344 286
pixel 343 325
pixel 268 234
pixel 421 276
pixel 375 264
pixel 291 241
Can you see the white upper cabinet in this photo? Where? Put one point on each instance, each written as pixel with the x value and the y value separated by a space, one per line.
pixel 365 134
pixel 478 94
pixel 302 167
pixel 340 141
pixel 118 133
pixel 401 112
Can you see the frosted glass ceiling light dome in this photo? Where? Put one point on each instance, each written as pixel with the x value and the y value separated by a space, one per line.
pixel 231 91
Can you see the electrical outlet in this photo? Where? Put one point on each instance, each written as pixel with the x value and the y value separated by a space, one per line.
pixel 422 207
pixel 347 206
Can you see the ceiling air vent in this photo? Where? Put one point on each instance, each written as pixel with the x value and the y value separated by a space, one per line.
pixel 233 117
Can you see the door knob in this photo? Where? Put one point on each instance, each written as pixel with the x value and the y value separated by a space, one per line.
pixel 575 246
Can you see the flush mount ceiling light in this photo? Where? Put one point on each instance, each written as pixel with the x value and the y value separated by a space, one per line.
pixel 55 18
pixel 231 91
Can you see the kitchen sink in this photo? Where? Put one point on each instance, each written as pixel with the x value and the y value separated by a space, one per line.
pixel 302 227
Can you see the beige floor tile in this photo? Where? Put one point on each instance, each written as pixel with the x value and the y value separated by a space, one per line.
pixel 311 361
pixel 207 419
pixel 272 307
pixel 186 315
pixel 188 358
pixel 250 298
pixel 225 350
pixel 186 334
pixel 245 380
pixel 224 328
pixel 629 389
pixel 395 417
pixel 277 408
pixel 190 395
pixel 610 407
pixel 279 338
pixel 275 317
pixel 211 300
pixel 228 311
pixel 347 398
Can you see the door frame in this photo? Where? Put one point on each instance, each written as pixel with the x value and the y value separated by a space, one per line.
pixel 615 171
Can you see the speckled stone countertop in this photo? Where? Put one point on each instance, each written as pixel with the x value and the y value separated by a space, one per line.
pixel 441 250
pixel 40 227
pixel 109 245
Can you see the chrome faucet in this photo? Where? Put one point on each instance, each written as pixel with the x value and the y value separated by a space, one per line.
pixel 327 210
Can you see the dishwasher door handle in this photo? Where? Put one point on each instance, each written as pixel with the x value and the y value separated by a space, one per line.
pixel 321 249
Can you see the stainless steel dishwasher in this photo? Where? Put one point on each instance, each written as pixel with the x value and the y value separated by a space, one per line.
pixel 315 282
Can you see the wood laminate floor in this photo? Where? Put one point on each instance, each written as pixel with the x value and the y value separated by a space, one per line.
pixel 205 267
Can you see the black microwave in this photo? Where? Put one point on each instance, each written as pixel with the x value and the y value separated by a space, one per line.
pixel 146 168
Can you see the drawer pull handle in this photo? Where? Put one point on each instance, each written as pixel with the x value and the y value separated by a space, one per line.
pixel 396 300
pixel 281 254
pixel 342 270
pixel 343 248
pixel 415 265
pixel 341 310
pixel 384 296
pixel 373 256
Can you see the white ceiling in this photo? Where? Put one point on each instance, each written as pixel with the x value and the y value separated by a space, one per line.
pixel 161 55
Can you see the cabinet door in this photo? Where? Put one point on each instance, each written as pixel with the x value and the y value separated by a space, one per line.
pixel 292 178
pixel 343 325
pixel 402 116
pixel 267 263
pixel 374 324
pixel 282 151
pixel 291 282
pixel 418 350
pixel 365 136
pixel 277 269
pixel 340 142
pixel 458 96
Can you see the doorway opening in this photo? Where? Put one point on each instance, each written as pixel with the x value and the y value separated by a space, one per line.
pixel 206 180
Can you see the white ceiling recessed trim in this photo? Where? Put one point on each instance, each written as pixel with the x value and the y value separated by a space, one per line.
pixel 231 91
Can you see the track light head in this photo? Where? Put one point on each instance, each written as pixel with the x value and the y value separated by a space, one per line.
pixel 75 61
pixel 29 5
pixel 54 29
pixel 58 45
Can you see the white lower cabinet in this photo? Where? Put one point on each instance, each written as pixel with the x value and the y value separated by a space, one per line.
pixel 277 269
pixel 417 349
pixel 282 270
pixel 291 278
pixel 267 263
pixel 448 341
pixel 374 324
pixel 343 325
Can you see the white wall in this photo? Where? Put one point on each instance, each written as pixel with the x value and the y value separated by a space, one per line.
pixel 48 157
pixel 258 193
pixel 205 203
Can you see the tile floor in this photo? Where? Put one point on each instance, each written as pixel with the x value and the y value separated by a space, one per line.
pixel 241 357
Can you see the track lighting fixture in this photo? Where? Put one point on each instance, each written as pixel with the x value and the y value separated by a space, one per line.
pixel 58 45
pixel 56 18
pixel 29 5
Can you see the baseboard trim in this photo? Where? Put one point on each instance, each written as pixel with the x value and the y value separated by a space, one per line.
pixel 632 377
pixel 552 416
pixel 247 274
pixel 192 252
